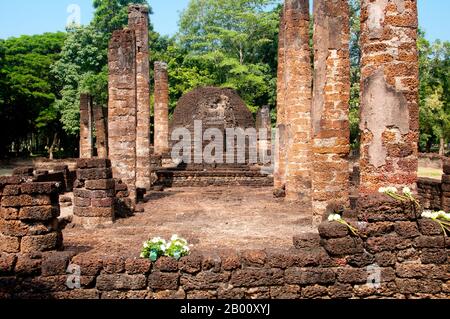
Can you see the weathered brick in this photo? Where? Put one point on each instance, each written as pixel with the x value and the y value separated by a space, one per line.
pixel 191 264
pixel 135 266
pixel 166 264
pixel 39 188
pixel 39 213
pixel 9 244
pixel 333 230
pixel 308 241
pixel 343 246
pixel 101 184
pixel 9 213
pixel 94 173
pixel 204 280
pixel 254 277
pixel 407 229
pixel 85 163
pixel 352 275
pixel 305 276
pixel 110 282
pixel 47 242
pixel 94 211
pixel 434 256
pixel 253 258
pixel 163 281
pixel 28 200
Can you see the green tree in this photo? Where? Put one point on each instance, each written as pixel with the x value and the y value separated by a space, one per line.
pixel 27 89
pixel 229 43
pixel 83 65
pixel 434 69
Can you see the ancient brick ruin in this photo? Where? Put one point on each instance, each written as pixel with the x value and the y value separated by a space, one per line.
pixel 86 144
pixel 94 193
pixel 389 94
pixel 330 110
pixel 161 128
pixel 395 253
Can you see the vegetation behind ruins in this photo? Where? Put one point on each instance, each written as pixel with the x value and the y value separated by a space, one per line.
pixel 229 43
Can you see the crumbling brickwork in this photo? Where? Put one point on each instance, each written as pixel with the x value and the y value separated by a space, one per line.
pixel 29 214
pixel 389 94
pixel 122 107
pixel 446 186
pixel 138 21
pixel 86 145
pixel 161 109
pixel 330 110
pixel 100 131
pixel 280 143
pixel 94 193
pixel 297 101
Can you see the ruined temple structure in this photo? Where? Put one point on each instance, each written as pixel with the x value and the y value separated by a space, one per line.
pixel 393 252
pixel 313 125
pixel 202 116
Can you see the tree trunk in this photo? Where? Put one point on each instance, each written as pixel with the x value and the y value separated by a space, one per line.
pixel 441 146
pixel 52 148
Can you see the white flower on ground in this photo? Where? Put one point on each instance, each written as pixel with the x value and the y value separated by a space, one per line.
pixel 407 191
pixel 427 214
pixel 391 189
pixel 142 255
pixel 186 248
pixel 163 247
pixel 334 217
pixel 174 237
pixel 382 190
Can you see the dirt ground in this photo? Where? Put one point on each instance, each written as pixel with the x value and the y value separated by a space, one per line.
pixel 211 217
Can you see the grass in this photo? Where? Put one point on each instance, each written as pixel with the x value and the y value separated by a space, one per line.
pixel 430 172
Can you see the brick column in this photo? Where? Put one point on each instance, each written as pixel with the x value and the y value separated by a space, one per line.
pixel 100 130
pixel 280 143
pixel 94 193
pixel 122 107
pixel 86 126
pixel 138 21
pixel 264 130
pixel 389 95
pixel 446 186
pixel 298 77
pixel 330 110
pixel 29 216
pixel 161 108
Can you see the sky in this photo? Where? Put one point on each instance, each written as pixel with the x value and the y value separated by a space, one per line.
pixel 36 17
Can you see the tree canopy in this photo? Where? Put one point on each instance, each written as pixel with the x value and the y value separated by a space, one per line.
pixel 227 43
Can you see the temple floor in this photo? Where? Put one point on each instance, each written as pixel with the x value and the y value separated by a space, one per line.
pixel 209 218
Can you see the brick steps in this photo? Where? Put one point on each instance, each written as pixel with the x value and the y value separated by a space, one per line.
pixel 232 176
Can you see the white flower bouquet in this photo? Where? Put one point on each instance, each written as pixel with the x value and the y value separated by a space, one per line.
pixel 405 196
pixel 440 217
pixel 338 218
pixel 157 247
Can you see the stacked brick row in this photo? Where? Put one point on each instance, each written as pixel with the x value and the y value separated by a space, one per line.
pixel 94 193
pixel 330 110
pixel 446 186
pixel 161 110
pixel 430 193
pixel 398 260
pixel 389 95
pixel 29 214
pixel 297 101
